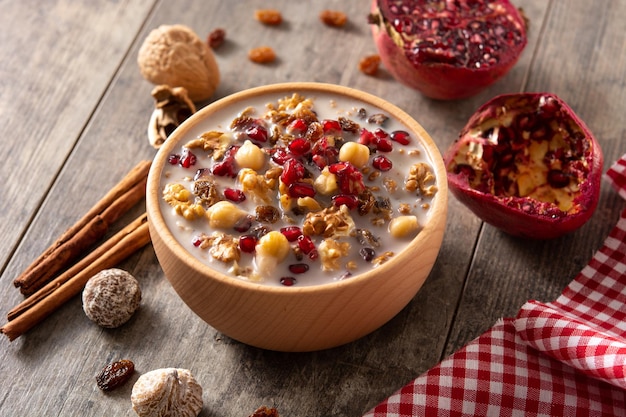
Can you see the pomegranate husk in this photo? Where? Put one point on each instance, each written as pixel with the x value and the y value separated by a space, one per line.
pixel 526 215
pixel 439 80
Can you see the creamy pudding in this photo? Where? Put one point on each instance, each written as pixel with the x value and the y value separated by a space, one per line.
pixel 297 190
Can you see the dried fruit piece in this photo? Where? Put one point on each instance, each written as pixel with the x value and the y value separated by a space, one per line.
pixel 216 38
pixel 270 17
pixel 369 64
pixel 115 374
pixel 525 163
pixel 167 392
pixel 448 50
pixel 174 55
pixel 262 55
pixel 334 18
pixel 265 411
pixel 111 297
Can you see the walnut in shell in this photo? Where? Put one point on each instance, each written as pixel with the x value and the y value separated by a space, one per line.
pixel 174 55
pixel 111 297
pixel 167 392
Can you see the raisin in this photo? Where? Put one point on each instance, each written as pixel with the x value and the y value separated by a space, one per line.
pixel 267 214
pixel 333 18
pixel 115 374
pixel 262 55
pixel 216 38
pixel 369 64
pixel 268 17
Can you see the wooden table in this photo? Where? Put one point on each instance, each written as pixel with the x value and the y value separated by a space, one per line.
pixel 75 111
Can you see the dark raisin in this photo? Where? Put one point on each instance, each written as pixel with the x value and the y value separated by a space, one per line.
pixel 115 374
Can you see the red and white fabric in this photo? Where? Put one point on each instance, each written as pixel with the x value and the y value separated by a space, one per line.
pixel 563 358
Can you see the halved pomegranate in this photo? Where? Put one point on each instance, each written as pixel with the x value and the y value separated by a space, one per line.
pixel 448 49
pixel 526 164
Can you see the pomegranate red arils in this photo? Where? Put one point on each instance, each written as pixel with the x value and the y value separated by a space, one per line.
pixel 300 268
pixel 367 138
pixel 173 159
pixel 247 243
pixel 525 163
pixel 445 49
pixel 234 195
pixel 400 136
pixel 350 201
pixel 382 163
pixel 297 127
pixel 293 171
pixel 288 281
pixel 301 189
pixel 292 233
pixel 187 159
pixel 299 147
pixel 280 155
pixel 227 166
pixel 306 244
pixel 349 178
pixel 257 132
pixel 331 127
pixel 196 241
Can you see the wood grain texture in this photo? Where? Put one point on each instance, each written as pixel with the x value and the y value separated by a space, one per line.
pixel 76 111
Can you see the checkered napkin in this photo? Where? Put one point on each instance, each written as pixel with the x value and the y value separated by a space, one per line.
pixel 564 358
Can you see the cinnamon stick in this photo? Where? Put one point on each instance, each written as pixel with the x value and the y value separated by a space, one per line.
pixel 87 231
pixel 45 301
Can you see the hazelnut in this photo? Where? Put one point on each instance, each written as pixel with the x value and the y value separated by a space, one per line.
pixel 167 392
pixel 111 297
pixel 174 55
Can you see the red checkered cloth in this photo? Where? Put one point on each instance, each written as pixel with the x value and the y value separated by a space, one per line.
pixel 564 358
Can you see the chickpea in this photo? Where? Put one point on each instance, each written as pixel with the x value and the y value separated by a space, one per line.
pixel 403 226
pixel 224 215
pixel 355 153
pixel 273 244
pixel 250 156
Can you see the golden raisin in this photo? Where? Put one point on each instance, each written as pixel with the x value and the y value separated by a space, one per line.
pixel 333 18
pixel 369 64
pixel 115 374
pixel 268 17
pixel 262 55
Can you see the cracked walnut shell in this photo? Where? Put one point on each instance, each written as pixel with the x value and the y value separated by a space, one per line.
pixel 168 392
pixel 174 55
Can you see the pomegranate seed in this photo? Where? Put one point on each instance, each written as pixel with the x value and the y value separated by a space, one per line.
pixel 367 138
pixel 292 233
pixel 380 133
pixel 243 225
pixel 223 169
pixel 288 281
pixel 234 195
pixel 313 255
pixel 247 243
pixel 196 241
pixel 296 127
pixel 301 189
pixel 299 146
pixel 382 163
pixel 351 201
pixel 173 159
pixel 257 133
pixel 305 243
pixel 280 156
pixel 400 136
pixel 293 171
pixel 331 127
pixel 298 268
pixel 349 179
pixel 187 159
pixel 384 145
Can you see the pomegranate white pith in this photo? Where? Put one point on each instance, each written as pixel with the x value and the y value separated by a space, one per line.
pixel 526 164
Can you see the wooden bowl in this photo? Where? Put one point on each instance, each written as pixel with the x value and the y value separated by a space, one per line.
pixel 297 318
